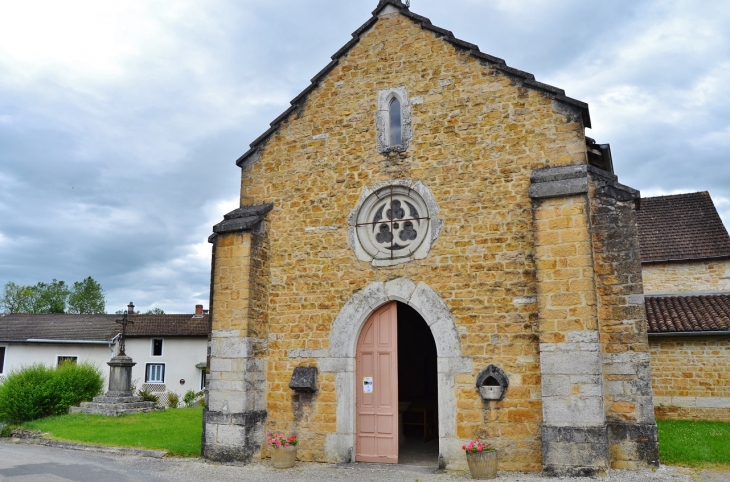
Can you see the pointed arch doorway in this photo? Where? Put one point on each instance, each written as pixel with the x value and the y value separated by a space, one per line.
pixel 397 389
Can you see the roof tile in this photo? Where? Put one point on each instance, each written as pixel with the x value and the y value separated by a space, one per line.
pixel 681 227
pixel 63 326
pixel 669 314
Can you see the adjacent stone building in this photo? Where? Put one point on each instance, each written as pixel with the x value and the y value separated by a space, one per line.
pixel 432 234
pixel 685 251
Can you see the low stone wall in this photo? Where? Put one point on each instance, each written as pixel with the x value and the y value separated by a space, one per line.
pixel 691 377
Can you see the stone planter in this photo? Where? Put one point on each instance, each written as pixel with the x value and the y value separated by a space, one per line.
pixel 284 457
pixel 482 465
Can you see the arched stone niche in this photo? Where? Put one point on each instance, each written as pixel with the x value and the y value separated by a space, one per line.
pixel 340 360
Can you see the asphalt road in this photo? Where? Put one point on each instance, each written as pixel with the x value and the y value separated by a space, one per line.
pixel 26 463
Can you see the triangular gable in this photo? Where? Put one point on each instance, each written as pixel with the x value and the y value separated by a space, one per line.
pixel 525 78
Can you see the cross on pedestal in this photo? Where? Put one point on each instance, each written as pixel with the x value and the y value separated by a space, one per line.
pixel 124 321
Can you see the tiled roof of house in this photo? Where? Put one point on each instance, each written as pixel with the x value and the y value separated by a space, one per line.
pixel 669 314
pixel 55 326
pixel 168 325
pixel 524 78
pixel 681 227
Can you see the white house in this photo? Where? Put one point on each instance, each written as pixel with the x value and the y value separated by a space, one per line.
pixel 170 350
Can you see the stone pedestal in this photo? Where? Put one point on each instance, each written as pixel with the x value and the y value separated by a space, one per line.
pixel 119 400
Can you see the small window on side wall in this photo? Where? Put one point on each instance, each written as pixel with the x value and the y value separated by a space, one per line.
pixel 62 360
pixel 2 359
pixel 393 120
pixel 157 347
pixel 395 124
pixel 155 373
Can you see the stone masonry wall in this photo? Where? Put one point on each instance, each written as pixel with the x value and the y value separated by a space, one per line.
pixel 622 323
pixel 691 377
pixel 477 136
pixel 709 276
pixel 235 409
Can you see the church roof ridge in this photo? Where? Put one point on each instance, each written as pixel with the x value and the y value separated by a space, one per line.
pixel 526 78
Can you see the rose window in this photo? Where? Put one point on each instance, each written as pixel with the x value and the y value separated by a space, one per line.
pixel 393 223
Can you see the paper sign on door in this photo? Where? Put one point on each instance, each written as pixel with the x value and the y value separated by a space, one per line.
pixel 367 385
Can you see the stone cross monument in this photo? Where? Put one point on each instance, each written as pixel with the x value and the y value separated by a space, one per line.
pixel 119 399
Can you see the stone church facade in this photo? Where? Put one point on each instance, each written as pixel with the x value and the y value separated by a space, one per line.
pixel 419 173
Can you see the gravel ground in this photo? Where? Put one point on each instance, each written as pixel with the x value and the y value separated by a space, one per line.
pixel 180 469
pixel 32 463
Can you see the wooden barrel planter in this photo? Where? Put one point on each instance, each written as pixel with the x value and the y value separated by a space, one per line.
pixel 284 457
pixel 482 465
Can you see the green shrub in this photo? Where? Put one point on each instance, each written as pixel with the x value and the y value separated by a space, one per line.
pixel 39 391
pixel 172 399
pixel 76 383
pixel 148 396
pixel 190 397
pixel 5 430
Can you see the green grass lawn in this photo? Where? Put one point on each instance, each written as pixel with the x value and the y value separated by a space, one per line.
pixel 176 430
pixel 691 443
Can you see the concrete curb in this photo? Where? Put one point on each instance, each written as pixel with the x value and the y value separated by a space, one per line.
pixel 156 454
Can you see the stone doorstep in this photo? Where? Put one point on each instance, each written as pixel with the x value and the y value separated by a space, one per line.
pixel 157 454
pixel 388 467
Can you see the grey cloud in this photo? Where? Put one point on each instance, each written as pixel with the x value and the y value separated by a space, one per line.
pixel 121 177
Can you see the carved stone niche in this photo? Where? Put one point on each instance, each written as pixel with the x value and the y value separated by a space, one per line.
pixel 492 383
pixel 304 379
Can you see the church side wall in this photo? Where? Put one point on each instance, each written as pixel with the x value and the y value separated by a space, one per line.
pixel 709 276
pixel 691 377
pixel 477 136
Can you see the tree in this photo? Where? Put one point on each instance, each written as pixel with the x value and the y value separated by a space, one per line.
pixel 41 298
pixel 155 311
pixel 16 298
pixel 51 297
pixel 87 296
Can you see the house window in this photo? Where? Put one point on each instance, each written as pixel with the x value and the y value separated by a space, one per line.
pixel 395 125
pixel 66 359
pixel 157 347
pixel 2 359
pixel 155 373
pixel 202 379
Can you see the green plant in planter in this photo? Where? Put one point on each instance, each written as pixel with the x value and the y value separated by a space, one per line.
pixel 476 446
pixel 482 460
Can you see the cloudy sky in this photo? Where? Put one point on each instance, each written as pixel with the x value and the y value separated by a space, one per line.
pixel 120 121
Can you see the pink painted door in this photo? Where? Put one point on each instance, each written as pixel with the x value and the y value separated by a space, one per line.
pixel 377 388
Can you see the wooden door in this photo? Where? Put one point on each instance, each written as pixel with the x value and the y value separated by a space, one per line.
pixel 377 404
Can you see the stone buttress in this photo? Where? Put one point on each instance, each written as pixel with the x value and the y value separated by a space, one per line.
pixel 596 382
pixel 235 409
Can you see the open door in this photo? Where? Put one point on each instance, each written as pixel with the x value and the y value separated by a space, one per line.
pixel 377 388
